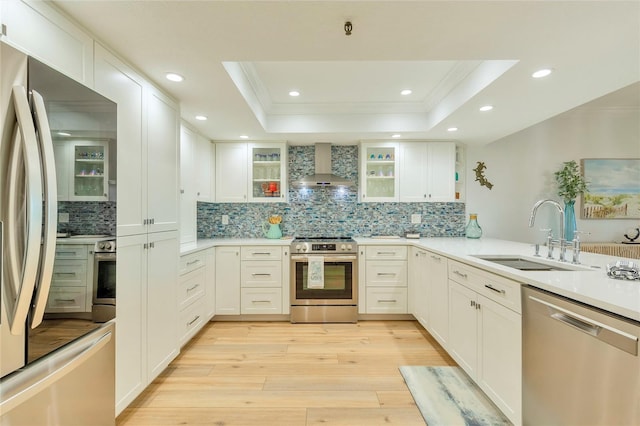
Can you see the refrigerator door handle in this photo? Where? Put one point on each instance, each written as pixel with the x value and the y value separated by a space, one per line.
pixel 23 271
pixel 42 375
pixel 50 210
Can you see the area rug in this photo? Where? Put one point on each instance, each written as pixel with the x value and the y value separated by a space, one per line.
pixel 447 396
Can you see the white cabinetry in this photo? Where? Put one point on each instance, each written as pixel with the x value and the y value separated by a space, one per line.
pixel 148 167
pixel 55 41
pixel 71 283
pixel 386 279
pixel 196 179
pixel 146 312
pixel 227 280
pixel 191 295
pixel 485 334
pixel 261 280
pixel 378 171
pixel 231 172
pixel 427 171
pixel 82 170
pixel 437 298
pixel 417 286
pixel 210 276
pixel 460 173
pixel 267 172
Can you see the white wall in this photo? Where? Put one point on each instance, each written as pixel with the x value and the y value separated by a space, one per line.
pixel 521 167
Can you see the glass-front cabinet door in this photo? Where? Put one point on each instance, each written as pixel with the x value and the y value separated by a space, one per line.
pixel 378 173
pixel 90 171
pixel 268 172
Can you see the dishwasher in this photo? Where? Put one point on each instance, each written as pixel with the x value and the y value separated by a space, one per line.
pixel 580 364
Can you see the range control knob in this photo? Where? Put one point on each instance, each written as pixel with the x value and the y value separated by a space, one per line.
pixel 298 247
pixel 349 247
pixel 343 247
pixel 305 248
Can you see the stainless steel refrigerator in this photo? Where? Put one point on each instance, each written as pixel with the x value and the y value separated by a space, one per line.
pixel 54 370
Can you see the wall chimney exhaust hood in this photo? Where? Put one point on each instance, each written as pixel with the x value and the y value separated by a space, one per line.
pixel 323 175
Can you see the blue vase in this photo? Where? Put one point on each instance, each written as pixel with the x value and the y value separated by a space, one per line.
pixel 569 220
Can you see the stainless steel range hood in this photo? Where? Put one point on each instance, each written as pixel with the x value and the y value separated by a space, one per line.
pixel 323 175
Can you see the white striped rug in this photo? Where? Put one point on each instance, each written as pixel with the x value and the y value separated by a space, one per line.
pixel 447 396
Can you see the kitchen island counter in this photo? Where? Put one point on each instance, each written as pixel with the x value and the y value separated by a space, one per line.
pixel 590 284
pixel 205 243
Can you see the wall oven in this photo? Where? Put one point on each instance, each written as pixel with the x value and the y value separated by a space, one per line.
pixel 324 280
pixel 104 281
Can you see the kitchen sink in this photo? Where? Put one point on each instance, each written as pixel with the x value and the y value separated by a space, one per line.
pixel 523 264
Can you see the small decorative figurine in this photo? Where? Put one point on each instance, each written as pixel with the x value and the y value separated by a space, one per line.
pixel 480 175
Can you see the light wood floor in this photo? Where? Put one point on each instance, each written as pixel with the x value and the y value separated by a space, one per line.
pixel 261 373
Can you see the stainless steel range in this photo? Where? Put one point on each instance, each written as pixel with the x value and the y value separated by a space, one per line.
pixel 104 281
pixel 324 280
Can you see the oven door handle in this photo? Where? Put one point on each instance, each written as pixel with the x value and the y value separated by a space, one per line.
pixel 326 258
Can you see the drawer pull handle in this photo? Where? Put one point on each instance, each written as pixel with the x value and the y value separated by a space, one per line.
pixel 193 320
pixel 387 301
pixel 193 288
pixel 66 300
pixel 492 288
pixel 261 253
pixel 257 274
pixel 460 274
pixel 73 274
pixel 260 301
pixel 66 252
pixel 387 273
pixel 386 253
pixel 193 262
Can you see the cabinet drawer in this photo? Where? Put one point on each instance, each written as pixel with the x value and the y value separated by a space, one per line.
pixel 261 253
pixel 261 301
pixel 71 251
pixel 191 287
pixel 499 289
pixel 66 299
pixel 191 262
pixel 386 274
pixel 386 252
pixel 69 273
pixel 256 273
pixel 386 300
pixel 191 321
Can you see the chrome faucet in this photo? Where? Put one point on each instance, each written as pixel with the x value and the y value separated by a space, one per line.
pixel 561 241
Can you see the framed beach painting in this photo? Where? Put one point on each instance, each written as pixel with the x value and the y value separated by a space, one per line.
pixel 613 188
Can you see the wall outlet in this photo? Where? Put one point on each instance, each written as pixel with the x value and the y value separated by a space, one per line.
pixel 416 218
pixel 63 217
pixel 225 219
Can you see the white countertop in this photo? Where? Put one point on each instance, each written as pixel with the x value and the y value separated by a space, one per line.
pixel 203 244
pixel 590 285
pixel 82 239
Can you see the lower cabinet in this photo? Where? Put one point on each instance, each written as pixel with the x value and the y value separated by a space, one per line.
pixel 385 278
pixel 437 297
pixel 417 288
pixel 191 295
pixel 146 311
pixel 485 336
pixel 72 279
pixel 227 280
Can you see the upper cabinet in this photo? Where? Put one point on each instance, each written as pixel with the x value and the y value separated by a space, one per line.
pixel 56 42
pixel 378 171
pixel 231 172
pixel 408 172
pixel 427 171
pixel 460 173
pixel 253 172
pixel 267 172
pixel 83 170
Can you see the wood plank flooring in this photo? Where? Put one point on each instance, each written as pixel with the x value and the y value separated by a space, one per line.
pixel 276 373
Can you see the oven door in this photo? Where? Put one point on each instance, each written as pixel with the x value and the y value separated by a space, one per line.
pixel 340 281
pixel 104 287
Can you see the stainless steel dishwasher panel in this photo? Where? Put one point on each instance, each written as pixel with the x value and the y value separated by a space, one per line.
pixel 580 364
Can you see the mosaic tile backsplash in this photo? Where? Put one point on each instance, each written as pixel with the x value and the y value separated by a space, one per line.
pixel 88 217
pixel 330 211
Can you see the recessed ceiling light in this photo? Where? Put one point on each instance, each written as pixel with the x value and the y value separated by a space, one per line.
pixel 396 136
pixel 542 73
pixel 201 117
pixel 64 134
pixel 486 108
pixel 294 93
pixel 452 129
pixel 174 77
pixel 244 137
pixel 406 92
